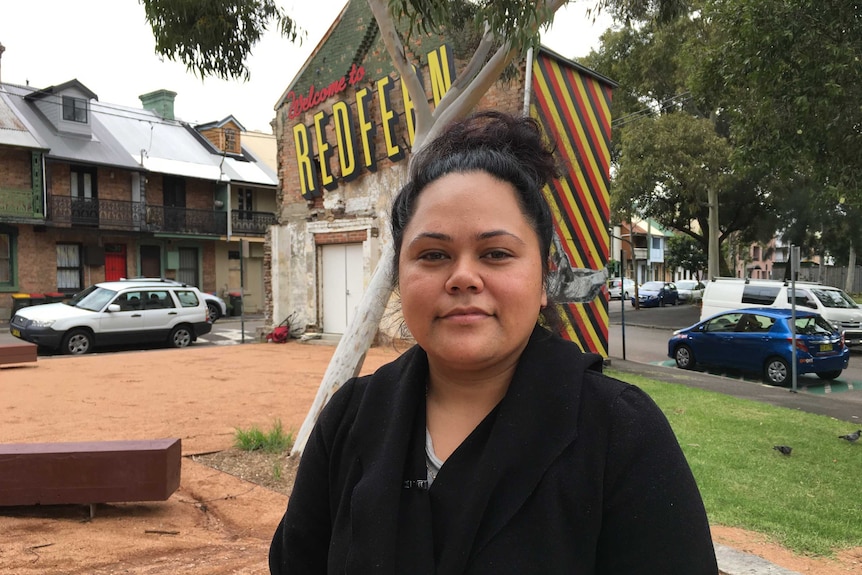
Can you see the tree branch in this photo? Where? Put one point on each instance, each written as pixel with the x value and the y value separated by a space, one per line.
pixel 405 68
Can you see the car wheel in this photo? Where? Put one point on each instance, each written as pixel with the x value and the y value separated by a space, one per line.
pixel 181 336
pixel 77 342
pixel 684 357
pixel 777 371
pixel 213 312
pixel 829 375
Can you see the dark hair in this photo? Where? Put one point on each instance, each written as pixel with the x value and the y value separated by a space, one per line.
pixel 509 148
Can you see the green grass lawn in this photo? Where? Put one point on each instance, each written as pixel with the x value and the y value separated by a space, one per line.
pixel 809 502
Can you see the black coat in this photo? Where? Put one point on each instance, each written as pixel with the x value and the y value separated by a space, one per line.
pixel 573 472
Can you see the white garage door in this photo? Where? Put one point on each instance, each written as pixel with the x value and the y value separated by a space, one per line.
pixel 342 285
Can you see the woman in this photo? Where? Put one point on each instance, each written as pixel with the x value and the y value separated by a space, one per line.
pixel 492 446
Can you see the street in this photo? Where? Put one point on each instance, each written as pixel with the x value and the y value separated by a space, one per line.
pixel 647 332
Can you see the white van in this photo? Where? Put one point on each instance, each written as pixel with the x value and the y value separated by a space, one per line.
pixel 830 302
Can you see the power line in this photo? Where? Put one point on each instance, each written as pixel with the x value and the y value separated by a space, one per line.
pixel 651 110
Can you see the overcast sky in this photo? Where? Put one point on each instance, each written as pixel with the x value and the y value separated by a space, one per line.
pixel 108 46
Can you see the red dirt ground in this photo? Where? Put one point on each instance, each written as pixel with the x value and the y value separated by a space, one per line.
pixel 215 523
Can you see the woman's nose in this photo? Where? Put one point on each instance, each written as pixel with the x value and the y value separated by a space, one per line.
pixel 465 276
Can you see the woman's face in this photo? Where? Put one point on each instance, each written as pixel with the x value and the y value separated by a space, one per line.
pixel 470 273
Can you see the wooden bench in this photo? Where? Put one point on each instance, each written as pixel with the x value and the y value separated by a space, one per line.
pixel 89 472
pixel 17 352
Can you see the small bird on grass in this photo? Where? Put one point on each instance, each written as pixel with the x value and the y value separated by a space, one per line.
pixel 851 437
pixel 784 449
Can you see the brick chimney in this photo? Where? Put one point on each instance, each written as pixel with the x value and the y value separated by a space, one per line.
pixel 161 102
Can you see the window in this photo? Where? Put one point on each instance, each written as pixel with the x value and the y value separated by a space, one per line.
pixel 187 298
pixel 656 243
pixel 755 253
pixel 245 203
pixel 759 295
pixel 230 140
pixel 69 269
pixel 7 258
pixel 74 109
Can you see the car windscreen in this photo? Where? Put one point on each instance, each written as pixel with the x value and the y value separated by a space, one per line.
pixel 834 298
pixel 813 325
pixel 94 298
pixel 653 286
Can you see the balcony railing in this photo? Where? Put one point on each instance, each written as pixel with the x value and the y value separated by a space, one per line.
pixel 135 216
pixel 186 221
pixel 255 223
pixel 20 203
pixel 97 213
pixel 640 253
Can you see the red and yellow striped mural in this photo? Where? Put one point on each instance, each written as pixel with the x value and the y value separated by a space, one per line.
pixel 573 105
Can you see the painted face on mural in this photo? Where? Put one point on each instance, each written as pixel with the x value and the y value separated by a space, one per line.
pixel 470 273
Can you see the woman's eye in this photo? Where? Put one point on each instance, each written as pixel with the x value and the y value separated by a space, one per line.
pixel 498 255
pixel 432 256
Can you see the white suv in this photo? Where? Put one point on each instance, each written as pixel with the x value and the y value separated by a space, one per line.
pixel 116 313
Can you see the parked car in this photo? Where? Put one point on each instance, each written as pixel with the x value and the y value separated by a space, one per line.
pixel 759 340
pixel 831 303
pixel 690 291
pixel 116 313
pixel 618 288
pixel 216 306
pixel 652 294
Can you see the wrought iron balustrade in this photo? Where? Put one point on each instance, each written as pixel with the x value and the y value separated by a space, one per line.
pixel 185 220
pixel 95 212
pixel 248 222
pixel 20 203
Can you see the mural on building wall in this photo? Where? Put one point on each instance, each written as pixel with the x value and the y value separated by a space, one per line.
pixel 574 109
pixel 354 125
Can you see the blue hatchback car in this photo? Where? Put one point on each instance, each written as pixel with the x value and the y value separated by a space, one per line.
pixel 759 340
pixel 655 293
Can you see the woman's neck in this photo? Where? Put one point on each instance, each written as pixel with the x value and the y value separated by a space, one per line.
pixel 457 402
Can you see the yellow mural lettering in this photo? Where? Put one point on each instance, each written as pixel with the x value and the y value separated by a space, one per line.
pixel 324 152
pixel 388 118
pixel 304 164
pixel 441 70
pixel 343 121
pixel 366 128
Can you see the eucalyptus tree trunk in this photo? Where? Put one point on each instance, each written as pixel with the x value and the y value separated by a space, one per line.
pixel 713 269
pixel 851 270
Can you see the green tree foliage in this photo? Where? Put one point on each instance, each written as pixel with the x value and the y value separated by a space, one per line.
pixel 788 74
pixel 670 149
pixel 685 253
pixel 213 37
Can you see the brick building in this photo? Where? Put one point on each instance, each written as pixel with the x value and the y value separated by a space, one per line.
pixel 344 132
pixel 92 191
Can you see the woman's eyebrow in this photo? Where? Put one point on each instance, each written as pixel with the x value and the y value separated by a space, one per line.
pixel 431 236
pixel 496 233
pixel 480 236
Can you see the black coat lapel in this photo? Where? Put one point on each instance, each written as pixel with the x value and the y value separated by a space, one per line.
pixel 388 413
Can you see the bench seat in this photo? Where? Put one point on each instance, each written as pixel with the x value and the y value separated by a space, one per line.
pixel 17 352
pixel 89 472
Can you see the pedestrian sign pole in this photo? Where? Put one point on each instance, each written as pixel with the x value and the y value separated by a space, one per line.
pixel 794 269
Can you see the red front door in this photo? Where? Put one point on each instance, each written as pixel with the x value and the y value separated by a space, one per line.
pixel 115 262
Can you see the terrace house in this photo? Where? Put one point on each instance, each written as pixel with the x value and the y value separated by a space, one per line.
pixel 92 191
